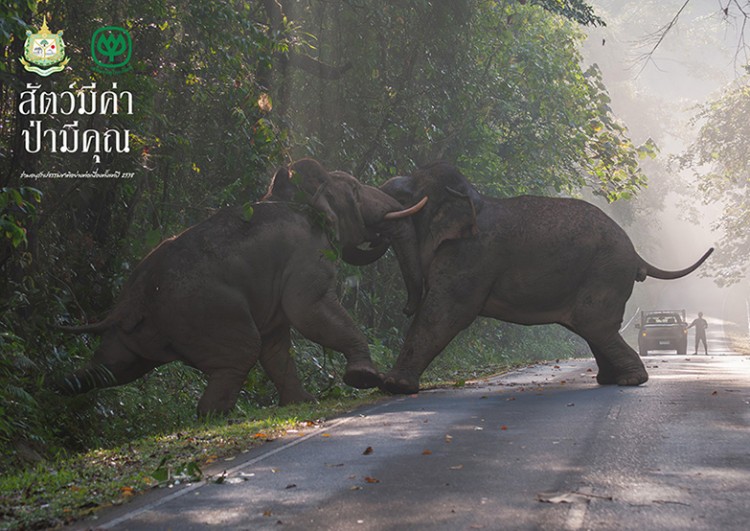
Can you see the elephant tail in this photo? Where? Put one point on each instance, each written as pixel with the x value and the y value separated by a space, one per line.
pixel 647 270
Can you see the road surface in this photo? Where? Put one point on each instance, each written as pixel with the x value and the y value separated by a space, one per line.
pixel 540 448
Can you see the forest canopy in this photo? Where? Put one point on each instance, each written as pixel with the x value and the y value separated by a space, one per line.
pixel 223 93
pixel 719 157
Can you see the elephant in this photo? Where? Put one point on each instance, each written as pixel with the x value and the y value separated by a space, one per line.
pixel 224 293
pixel 527 260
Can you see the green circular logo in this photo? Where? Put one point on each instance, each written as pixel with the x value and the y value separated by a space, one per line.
pixel 111 47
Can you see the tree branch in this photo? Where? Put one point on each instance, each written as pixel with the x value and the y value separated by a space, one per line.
pixel 316 67
pixel 662 33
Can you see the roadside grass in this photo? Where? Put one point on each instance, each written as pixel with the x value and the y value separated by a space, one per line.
pixel 60 491
pixel 144 435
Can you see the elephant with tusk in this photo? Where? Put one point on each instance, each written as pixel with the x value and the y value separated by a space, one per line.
pixel 526 260
pixel 224 293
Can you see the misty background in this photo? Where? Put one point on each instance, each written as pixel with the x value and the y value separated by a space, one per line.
pixel 657 95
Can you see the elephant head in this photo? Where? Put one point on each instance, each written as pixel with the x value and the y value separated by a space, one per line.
pixel 357 215
pixel 450 214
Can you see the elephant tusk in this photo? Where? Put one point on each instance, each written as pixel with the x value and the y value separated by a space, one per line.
pixel 407 212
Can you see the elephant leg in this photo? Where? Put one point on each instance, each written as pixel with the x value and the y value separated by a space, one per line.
pixel 113 364
pixel 327 323
pixel 597 316
pixel 103 375
pixel 222 391
pixel 606 374
pixel 618 363
pixel 435 325
pixel 277 361
pixel 223 342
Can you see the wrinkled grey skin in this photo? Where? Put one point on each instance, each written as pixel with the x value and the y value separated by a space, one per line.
pixel 526 260
pixel 225 292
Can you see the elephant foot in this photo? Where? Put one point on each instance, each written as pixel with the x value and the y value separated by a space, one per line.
pixel 208 411
pixel 606 378
pixel 362 375
pixel 296 398
pixel 635 377
pixel 400 384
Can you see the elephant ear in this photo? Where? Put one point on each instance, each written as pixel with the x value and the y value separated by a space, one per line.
pixel 299 182
pixel 305 181
pixel 452 214
pixel 320 201
pixel 281 187
pixel 454 219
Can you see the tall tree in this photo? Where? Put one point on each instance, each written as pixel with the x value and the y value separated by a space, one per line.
pixel 721 160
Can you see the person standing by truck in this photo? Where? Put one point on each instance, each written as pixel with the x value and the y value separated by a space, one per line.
pixel 700 325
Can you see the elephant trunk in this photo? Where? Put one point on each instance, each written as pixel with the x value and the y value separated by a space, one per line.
pixel 404 239
pixel 390 223
pixel 358 256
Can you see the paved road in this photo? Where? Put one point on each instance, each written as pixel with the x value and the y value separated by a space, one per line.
pixel 541 448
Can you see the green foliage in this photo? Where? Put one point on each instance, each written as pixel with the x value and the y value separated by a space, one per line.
pixel 12 13
pixel 489 347
pixel 720 159
pixel 247 211
pixel 18 406
pixel 17 208
pixel 575 10
pixel 496 87
pixel 64 489
pixel 223 93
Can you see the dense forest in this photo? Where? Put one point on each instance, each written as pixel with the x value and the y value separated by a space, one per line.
pixel 222 94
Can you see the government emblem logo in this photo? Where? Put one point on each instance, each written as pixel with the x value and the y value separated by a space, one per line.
pixel 44 52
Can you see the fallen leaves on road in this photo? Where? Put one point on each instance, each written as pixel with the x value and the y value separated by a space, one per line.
pixel 370 479
pixel 569 497
pixel 427 452
pixel 368 451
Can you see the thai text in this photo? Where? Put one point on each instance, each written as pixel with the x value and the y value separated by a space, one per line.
pixel 81 102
